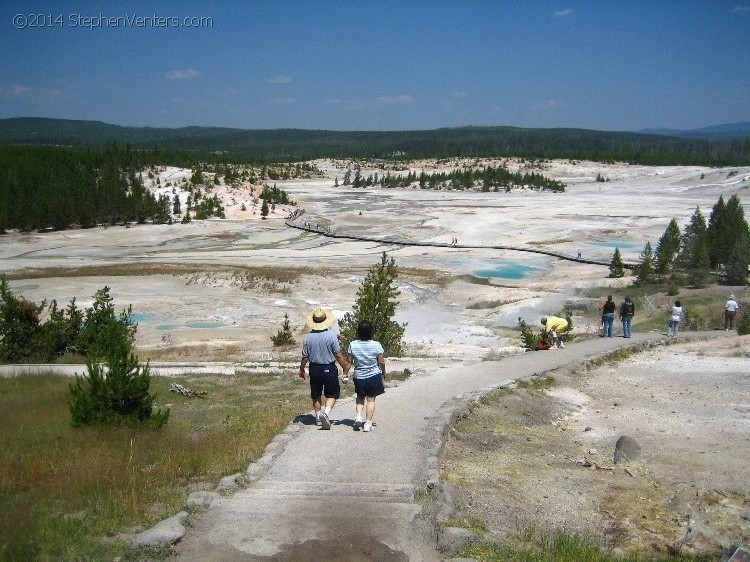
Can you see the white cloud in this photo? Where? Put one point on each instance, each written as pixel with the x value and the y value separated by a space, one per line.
pixel 14 90
pixel 282 101
pixel 396 100
pixel 563 13
pixel 280 79
pixel 553 104
pixel 187 74
pixel 740 9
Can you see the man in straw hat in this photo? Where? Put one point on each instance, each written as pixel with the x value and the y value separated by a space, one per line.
pixel 321 349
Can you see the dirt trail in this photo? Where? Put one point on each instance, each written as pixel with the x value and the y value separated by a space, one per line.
pixel 545 458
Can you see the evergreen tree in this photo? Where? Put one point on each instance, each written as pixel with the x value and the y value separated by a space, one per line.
pixel 717 232
pixel 284 336
pixel 667 249
pixel 376 301
pixel 694 254
pixel 115 394
pixel 616 267
pixel 644 271
pixel 20 326
pixel 264 209
pixel 739 259
pixel 347 177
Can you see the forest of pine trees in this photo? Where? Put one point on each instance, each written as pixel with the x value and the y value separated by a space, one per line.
pixel 720 245
pixel 486 179
pixel 43 188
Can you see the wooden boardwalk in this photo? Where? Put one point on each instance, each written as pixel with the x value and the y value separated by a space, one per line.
pixel 558 255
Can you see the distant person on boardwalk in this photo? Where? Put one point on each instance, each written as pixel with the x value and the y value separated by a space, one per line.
pixel 368 358
pixel 730 310
pixel 674 319
pixel 627 311
pixel 553 329
pixel 608 316
pixel 579 254
pixel 321 350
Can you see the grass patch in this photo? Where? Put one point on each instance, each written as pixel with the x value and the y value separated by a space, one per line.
pixel 530 545
pixel 470 522
pixel 537 383
pixel 425 495
pixel 397 375
pixel 65 492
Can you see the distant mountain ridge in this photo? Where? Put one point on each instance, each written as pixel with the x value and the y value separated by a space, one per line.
pixel 648 147
pixel 726 131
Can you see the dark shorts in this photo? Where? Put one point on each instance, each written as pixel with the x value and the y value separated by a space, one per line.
pixel 369 387
pixel 324 380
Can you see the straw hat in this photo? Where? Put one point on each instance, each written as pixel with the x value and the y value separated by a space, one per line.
pixel 320 319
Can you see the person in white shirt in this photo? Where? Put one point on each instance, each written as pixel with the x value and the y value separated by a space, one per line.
pixel 674 320
pixel 730 310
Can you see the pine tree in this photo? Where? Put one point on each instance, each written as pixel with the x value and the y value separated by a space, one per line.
pixel 694 253
pixel 616 267
pixel 667 249
pixel 376 301
pixel 284 336
pixel 716 232
pixel 117 394
pixel 739 259
pixel 644 271
pixel 264 210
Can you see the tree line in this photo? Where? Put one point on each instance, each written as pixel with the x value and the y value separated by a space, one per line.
pixel 486 179
pixel 719 246
pixel 298 144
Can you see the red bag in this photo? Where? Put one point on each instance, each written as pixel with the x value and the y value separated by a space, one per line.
pixel 542 345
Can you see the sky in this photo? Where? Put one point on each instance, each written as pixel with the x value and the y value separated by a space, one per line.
pixel 378 65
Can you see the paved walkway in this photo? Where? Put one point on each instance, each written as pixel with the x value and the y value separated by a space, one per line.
pixel 346 495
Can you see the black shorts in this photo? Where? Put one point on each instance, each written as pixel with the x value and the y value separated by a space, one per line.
pixel 324 380
pixel 369 387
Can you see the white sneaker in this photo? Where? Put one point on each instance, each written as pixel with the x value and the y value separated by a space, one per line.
pixel 358 424
pixel 562 345
pixel 368 426
pixel 325 423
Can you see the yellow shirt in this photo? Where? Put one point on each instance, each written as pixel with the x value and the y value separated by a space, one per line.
pixel 556 324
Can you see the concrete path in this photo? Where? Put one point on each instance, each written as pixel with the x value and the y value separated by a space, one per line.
pixel 346 495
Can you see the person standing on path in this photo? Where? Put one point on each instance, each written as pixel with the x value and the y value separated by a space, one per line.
pixel 730 310
pixel 608 316
pixel 627 311
pixel 321 349
pixel 553 329
pixel 368 358
pixel 674 319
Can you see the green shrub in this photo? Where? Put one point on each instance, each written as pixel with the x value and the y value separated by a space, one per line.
pixel 284 335
pixel 529 337
pixel 743 326
pixel 117 394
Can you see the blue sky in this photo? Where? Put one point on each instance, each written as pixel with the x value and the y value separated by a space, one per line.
pixel 357 65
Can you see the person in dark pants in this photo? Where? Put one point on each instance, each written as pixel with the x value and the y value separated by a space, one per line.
pixel 368 358
pixel 627 311
pixel 608 316
pixel 321 349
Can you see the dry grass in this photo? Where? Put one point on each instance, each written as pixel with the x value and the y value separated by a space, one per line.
pixel 63 489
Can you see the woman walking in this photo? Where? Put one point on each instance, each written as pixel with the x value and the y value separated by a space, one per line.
pixel 368 359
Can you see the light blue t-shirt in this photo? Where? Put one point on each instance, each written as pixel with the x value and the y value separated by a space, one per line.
pixel 365 353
